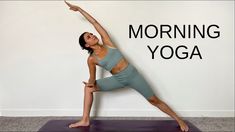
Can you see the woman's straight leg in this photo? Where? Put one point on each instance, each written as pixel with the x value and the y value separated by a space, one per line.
pixel 139 83
pixel 166 109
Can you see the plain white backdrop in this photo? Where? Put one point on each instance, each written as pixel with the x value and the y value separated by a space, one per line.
pixel 42 65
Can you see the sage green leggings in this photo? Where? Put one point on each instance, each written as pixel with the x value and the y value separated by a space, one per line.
pixel 129 77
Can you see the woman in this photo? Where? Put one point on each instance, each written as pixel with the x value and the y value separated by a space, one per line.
pixel 124 74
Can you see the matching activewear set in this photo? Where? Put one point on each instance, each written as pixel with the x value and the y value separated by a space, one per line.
pixel 129 77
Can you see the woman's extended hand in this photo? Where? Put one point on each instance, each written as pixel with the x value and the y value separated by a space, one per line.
pixel 72 7
pixel 90 85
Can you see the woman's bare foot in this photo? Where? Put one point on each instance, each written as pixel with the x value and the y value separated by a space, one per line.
pixel 79 124
pixel 183 126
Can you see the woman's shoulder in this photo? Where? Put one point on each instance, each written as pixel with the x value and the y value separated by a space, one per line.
pixel 91 59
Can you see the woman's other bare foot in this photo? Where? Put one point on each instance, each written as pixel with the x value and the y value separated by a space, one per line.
pixel 183 126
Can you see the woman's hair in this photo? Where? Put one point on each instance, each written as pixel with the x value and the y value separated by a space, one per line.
pixel 82 44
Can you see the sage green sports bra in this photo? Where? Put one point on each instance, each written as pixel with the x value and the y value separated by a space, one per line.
pixel 112 57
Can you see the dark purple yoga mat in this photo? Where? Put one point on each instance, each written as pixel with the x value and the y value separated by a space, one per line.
pixel 117 126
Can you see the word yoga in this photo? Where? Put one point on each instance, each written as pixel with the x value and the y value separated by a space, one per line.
pixel 179 53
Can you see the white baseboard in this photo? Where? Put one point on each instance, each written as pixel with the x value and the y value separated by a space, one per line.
pixel 115 113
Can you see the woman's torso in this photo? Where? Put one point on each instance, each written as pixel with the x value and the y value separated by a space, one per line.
pixel 121 65
pixel 111 59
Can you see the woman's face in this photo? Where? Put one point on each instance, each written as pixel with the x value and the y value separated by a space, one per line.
pixel 90 39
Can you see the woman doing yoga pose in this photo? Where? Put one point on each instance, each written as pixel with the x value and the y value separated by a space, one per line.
pixel 123 73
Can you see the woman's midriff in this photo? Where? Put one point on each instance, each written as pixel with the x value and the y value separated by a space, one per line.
pixel 121 65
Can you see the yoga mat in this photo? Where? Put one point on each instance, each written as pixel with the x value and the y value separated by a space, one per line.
pixel 117 126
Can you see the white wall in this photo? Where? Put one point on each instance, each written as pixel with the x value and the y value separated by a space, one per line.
pixel 42 66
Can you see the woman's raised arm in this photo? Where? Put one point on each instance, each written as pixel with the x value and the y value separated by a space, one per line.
pixel 103 33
